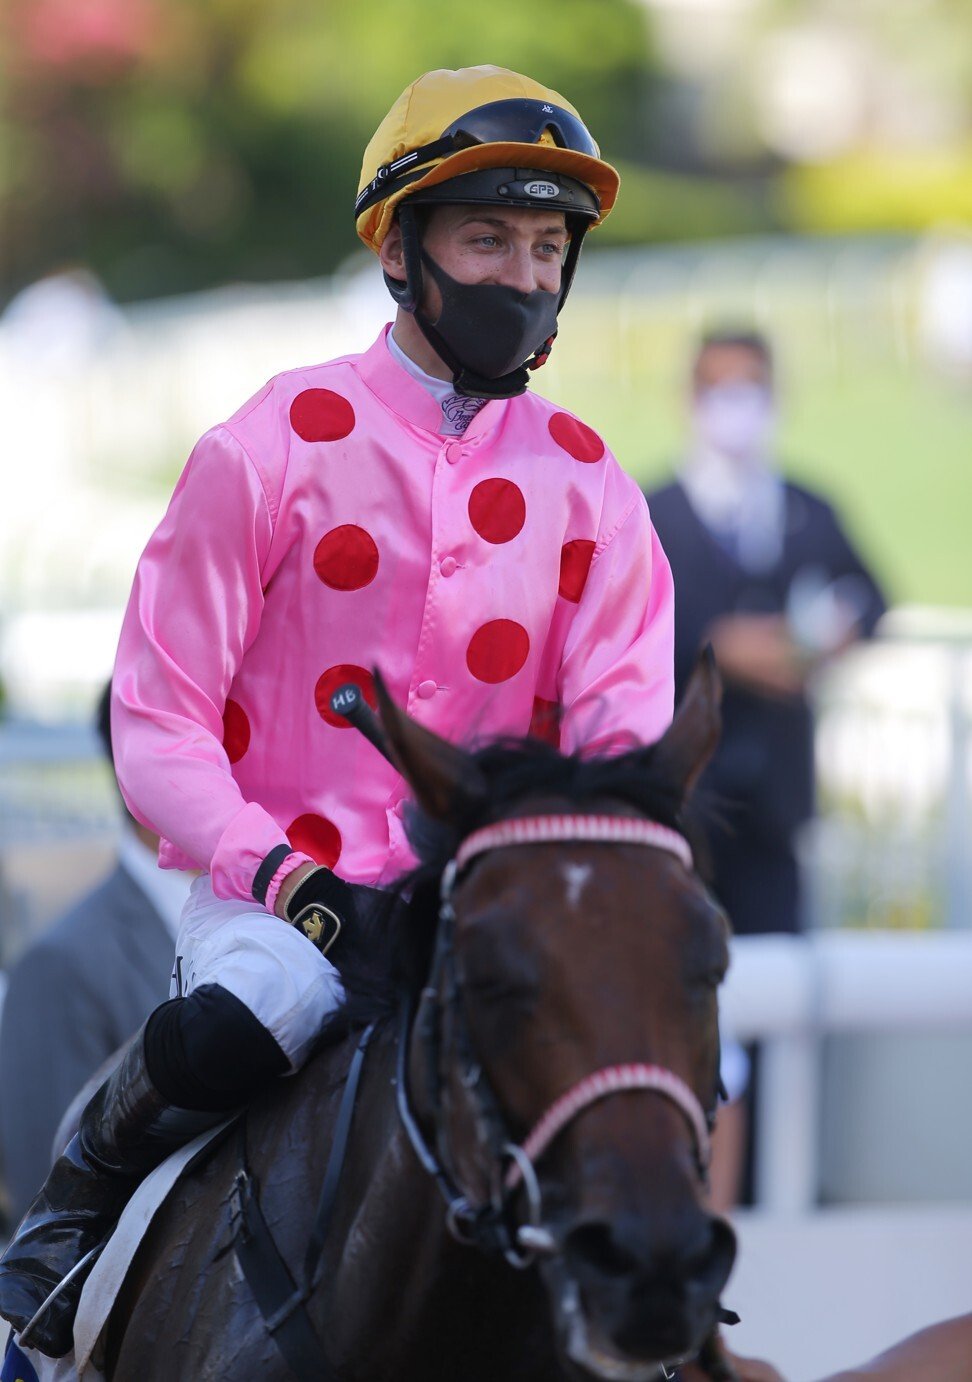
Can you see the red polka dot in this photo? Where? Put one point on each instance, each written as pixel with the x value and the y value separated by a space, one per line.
pixel 497 510
pixel 316 836
pixel 575 562
pixel 329 682
pixel 346 558
pixel 498 650
pixel 236 731
pixel 581 441
pixel 320 415
pixel 545 721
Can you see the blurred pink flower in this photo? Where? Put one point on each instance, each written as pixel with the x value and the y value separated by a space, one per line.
pixel 83 34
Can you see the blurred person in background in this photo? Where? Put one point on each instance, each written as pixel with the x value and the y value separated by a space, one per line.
pixel 764 572
pixel 402 509
pixel 81 991
pixel 60 321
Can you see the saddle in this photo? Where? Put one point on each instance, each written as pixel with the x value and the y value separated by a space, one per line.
pixel 108 1274
pixel 280 1299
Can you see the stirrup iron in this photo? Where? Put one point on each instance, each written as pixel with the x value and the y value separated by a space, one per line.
pixel 23 1339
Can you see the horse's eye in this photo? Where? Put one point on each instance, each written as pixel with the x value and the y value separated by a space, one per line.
pixel 705 979
pixel 501 988
pixel 704 986
pixel 705 957
pixel 496 972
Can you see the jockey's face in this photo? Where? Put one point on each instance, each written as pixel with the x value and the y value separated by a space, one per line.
pixel 514 246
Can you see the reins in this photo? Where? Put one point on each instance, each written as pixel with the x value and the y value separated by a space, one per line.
pixel 282 1300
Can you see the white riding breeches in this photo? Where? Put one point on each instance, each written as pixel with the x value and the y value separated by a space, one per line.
pixel 284 980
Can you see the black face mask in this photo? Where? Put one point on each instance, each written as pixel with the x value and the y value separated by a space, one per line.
pixel 485 332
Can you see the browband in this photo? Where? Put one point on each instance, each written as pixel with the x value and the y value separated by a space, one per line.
pixel 538 830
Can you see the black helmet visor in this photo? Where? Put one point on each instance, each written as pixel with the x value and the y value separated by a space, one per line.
pixel 520 121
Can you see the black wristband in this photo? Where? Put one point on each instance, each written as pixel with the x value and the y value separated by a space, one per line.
pixel 264 874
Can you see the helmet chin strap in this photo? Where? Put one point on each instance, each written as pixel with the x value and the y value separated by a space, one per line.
pixel 408 295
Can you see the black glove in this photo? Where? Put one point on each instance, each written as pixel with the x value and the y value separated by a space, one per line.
pixel 321 906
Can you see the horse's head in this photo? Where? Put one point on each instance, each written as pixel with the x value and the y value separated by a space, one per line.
pixel 583 968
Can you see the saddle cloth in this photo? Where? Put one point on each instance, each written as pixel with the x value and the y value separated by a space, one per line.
pixel 109 1272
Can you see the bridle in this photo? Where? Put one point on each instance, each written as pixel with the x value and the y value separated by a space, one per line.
pixel 490 1225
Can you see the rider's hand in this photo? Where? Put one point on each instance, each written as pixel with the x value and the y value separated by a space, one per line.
pixel 320 905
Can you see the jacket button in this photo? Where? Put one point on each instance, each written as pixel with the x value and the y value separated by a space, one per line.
pixel 427 689
pixel 453 452
pixel 448 566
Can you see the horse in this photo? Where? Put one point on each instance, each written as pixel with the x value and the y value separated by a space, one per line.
pixel 523 1196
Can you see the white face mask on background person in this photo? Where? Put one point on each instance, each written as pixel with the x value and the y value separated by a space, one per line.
pixel 737 420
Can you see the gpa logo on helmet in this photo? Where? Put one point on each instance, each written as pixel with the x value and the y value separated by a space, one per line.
pixel 541 189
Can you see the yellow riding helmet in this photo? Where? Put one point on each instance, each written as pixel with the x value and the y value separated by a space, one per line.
pixel 448 123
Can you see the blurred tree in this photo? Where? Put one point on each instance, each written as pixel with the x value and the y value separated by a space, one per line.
pixel 169 144
pixel 173 144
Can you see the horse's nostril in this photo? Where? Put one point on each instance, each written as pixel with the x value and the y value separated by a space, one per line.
pixel 594 1245
pixel 604 1250
pixel 650 1285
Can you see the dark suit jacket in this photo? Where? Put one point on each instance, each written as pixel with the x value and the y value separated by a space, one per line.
pixel 73 998
pixel 762 775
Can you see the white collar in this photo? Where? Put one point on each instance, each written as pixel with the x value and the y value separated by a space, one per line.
pixel 457 410
pixel 166 889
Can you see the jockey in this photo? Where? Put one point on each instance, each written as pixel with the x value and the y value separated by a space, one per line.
pixel 414 509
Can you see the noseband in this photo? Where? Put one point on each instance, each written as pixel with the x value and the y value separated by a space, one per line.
pixel 489 1226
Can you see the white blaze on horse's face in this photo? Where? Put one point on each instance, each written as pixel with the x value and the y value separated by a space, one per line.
pixel 576 876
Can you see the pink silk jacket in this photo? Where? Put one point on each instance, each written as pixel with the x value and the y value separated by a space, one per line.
pixel 505 581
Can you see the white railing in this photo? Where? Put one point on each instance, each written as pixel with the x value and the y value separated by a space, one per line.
pixel 789 992
pixel 894 766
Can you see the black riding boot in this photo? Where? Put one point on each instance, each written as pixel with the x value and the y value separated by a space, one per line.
pixel 126 1130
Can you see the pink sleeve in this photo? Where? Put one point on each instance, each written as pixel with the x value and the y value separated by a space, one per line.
pixel 194 610
pixel 617 682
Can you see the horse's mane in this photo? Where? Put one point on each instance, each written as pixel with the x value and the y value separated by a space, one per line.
pixel 388 958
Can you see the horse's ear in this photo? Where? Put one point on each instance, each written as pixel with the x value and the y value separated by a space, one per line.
pixel 445 780
pixel 689 743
